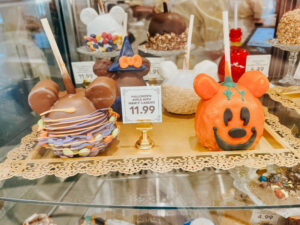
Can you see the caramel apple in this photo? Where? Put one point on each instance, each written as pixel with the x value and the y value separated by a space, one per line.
pixel 167 31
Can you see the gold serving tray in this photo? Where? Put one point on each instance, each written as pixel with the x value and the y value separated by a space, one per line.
pixel 176 147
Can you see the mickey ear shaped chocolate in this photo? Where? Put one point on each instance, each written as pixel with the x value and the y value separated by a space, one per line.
pixel 43 95
pixel 205 86
pixel 256 82
pixel 147 65
pixel 101 66
pixel 102 92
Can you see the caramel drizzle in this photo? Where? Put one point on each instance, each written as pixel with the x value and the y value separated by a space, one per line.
pixel 67 110
pixel 62 134
pixel 73 122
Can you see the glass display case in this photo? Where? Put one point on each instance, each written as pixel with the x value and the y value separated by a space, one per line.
pixel 178 180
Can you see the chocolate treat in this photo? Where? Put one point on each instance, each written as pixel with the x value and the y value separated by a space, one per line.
pixel 129 75
pixel 288 31
pixel 43 96
pixel 101 66
pixel 167 31
pixel 76 122
pixel 166 22
pixel 102 92
pixel 38 219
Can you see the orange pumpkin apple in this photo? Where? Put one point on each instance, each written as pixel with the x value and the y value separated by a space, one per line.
pixel 230 115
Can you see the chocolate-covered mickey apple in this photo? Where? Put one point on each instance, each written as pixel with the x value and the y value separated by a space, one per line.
pixel 128 70
pixel 76 122
pixel 167 31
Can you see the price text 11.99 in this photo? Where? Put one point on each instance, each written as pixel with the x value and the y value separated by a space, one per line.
pixel 143 110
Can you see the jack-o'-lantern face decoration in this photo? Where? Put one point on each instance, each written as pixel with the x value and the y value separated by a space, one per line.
pixel 230 115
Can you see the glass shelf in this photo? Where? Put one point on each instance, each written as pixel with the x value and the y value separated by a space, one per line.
pixel 204 190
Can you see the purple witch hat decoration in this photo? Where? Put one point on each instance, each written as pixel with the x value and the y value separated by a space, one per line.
pixel 127 51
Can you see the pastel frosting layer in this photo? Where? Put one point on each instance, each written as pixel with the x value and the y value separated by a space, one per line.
pixel 79 136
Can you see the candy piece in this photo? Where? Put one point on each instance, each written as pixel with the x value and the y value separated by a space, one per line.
pixel 114 37
pixel 44 134
pixel 104 35
pixel 108 139
pixel 68 152
pixel 98 37
pixel 89 43
pixel 93 35
pixel 84 152
pixel 279 194
pixel 115 132
pixel 115 41
pixel 98 137
pixel 95 46
pixel 275 178
pixel 102 49
pixel 274 187
pixel 263 178
pixel 112 118
pixel 105 41
pixel 100 44
pixel 261 171
pixel 285 193
pixel 40 124
pixel 51 145
pixel 92 48
pixel 109 36
pixel 109 49
pixel 89 38
pixel 110 42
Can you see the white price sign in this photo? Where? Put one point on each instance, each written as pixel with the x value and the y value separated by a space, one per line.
pixel 141 104
pixel 155 64
pixel 259 62
pixel 83 71
pixel 264 216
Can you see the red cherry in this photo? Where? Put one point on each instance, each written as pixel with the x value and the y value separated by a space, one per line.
pixel 109 36
pixel 104 34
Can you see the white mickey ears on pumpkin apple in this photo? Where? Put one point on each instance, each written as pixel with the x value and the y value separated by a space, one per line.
pixel 205 86
pixel 167 69
pixel 118 14
pixel 87 15
pixel 256 82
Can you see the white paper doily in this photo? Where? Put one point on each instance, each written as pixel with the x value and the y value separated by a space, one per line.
pixel 291 48
pixel 161 53
pixel 85 50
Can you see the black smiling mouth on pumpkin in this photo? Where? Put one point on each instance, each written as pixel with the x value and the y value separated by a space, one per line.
pixel 228 147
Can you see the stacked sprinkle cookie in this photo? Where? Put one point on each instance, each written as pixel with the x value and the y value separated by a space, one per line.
pixel 105 42
pixel 79 136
